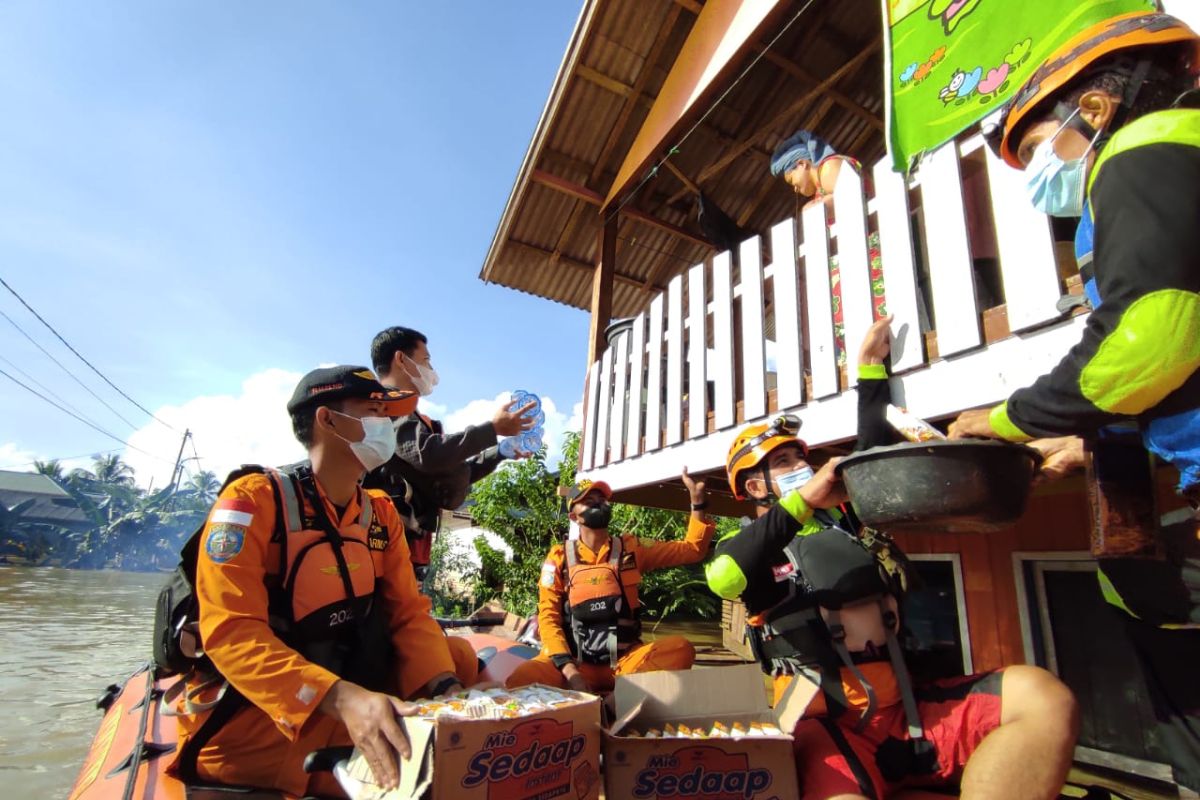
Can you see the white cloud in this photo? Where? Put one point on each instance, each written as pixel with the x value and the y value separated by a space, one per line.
pixel 18 459
pixel 252 427
pixel 15 457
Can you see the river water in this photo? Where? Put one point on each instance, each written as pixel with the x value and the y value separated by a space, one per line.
pixel 64 636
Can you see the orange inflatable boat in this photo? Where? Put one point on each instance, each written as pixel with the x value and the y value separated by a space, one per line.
pixel 135 743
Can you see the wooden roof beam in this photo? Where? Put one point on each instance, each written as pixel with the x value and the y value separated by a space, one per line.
pixel 594 198
pixel 572 262
pixel 684 179
pixel 690 5
pixel 843 100
pixel 607 82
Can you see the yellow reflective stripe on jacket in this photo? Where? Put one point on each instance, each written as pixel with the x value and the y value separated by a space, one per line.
pixel 795 505
pixel 1153 350
pixel 1005 427
pixel 1113 598
pixel 1175 126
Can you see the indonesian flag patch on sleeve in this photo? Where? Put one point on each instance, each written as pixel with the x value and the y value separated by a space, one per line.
pixel 233 511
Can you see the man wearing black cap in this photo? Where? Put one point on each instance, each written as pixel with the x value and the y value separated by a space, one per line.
pixel 309 611
pixel 588 608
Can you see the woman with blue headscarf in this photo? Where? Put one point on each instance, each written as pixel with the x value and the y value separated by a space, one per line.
pixel 810 165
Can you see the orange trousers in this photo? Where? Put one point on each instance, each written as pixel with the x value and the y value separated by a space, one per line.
pixel 669 652
pixel 250 750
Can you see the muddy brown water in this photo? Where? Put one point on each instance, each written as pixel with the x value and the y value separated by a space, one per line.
pixel 64 636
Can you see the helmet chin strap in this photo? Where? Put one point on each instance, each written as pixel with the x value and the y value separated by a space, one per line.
pixel 771 497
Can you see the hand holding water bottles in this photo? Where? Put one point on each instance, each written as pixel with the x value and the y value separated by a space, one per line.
pixel 511 420
pixel 525 440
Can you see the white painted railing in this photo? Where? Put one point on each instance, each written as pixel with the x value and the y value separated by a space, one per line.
pixel 671 390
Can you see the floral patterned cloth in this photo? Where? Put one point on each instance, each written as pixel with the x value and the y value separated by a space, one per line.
pixel 878 301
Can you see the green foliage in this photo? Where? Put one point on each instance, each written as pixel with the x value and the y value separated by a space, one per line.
pixel 520 504
pixel 449 580
pixel 130 528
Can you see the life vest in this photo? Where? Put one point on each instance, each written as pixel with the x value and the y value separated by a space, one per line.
pixel 842 610
pixel 338 630
pixel 602 624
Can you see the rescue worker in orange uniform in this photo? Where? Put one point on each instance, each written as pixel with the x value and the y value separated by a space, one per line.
pixel 309 610
pixel 588 605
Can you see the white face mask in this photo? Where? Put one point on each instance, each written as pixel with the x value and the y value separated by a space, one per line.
pixel 423 378
pixel 378 442
pixel 791 481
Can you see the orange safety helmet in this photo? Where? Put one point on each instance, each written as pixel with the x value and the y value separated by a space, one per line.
pixel 755 442
pixel 1075 57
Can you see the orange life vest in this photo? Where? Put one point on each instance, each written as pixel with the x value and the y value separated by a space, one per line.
pixel 603 624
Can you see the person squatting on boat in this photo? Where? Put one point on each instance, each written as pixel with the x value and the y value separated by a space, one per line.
pixel 823 597
pixel 588 607
pixel 309 611
pixel 1107 129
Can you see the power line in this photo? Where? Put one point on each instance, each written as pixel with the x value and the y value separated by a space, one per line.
pixel 41 385
pixel 81 419
pixel 66 370
pixel 81 358
pixel 194 453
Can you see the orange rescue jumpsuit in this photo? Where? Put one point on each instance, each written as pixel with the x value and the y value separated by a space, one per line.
pixel 265 743
pixel 641 555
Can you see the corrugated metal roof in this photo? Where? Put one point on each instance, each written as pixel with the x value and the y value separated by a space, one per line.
pixel 51 503
pixel 546 240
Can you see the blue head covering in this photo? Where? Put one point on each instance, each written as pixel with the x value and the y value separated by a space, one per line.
pixel 800 146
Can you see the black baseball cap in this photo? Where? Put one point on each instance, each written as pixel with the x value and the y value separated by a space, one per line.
pixel 336 383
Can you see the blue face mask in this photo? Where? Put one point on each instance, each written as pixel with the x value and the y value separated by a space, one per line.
pixel 1054 186
pixel 791 481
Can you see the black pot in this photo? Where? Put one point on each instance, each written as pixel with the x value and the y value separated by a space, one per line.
pixel 964 485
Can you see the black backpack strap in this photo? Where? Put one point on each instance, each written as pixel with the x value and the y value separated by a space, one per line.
pixel 308 488
pixel 916 730
pixel 230 703
pixel 837 634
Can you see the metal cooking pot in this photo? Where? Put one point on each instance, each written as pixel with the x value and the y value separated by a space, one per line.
pixel 962 485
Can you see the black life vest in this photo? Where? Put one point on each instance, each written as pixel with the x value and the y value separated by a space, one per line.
pixel 842 610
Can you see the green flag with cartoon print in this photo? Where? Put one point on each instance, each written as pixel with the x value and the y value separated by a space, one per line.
pixel 952 62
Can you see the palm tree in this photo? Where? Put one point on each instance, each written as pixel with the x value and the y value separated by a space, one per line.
pixel 205 485
pixel 52 469
pixel 110 469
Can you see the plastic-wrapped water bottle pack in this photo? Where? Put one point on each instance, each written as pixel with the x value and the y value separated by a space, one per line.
pixel 529 441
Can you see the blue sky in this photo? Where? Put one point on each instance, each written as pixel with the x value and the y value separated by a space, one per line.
pixel 209 198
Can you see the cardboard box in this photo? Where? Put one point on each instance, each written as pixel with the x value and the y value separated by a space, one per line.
pixel 546 755
pixel 749 768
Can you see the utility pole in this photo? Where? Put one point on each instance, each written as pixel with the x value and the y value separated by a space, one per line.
pixel 177 472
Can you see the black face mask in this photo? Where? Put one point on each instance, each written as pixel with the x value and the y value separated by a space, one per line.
pixel 596 517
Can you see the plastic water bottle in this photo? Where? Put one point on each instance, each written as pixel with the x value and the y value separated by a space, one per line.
pixel 528 441
pixel 520 397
